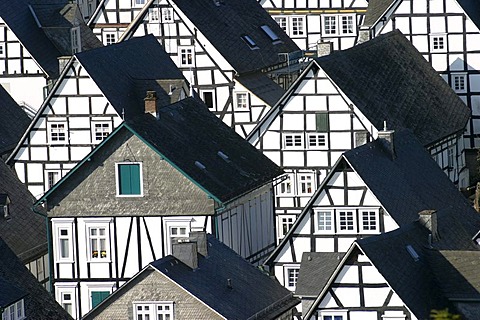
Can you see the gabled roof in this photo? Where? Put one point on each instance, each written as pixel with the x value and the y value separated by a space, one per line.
pixel 201 147
pixel 13 122
pixel 22 219
pixel 39 304
pixel 250 286
pixel 375 10
pixel 262 86
pixel 315 270
pixel 387 79
pixel 412 182
pixel 19 19
pixel 124 71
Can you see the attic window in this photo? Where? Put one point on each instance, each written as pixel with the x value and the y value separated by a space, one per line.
pixel 251 43
pixel 412 253
pixel 272 35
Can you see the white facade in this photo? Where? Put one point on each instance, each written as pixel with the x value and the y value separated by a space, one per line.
pixel 310 22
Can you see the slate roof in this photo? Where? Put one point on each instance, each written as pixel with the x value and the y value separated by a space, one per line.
pixel 208 282
pixel 315 270
pixel 9 293
pixel 39 304
pixel 19 19
pixel 262 86
pixel 413 182
pixel 22 220
pixel 143 61
pixel 387 79
pixel 13 122
pixel 472 9
pixel 375 10
pixel 187 133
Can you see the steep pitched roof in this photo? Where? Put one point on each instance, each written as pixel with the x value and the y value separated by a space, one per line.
pixel 188 135
pixel 375 10
pixel 22 220
pixel 412 182
pixel 250 287
pixel 262 86
pixel 13 122
pixel 143 61
pixel 387 79
pixel 9 293
pixel 19 19
pixel 39 304
pixel 472 9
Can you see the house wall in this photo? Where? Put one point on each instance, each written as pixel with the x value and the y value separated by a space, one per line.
pixel 76 103
pixel 247 225
pixel 153 286
pixel 40 268
pixel 421 22
pixel 19 70
pixel 360 292
pixel 311 16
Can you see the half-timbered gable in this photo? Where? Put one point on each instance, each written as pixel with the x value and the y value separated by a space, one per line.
pixel 89 100
pixel 368 283
pixel 311 22
pixel 202 280
pixel 342 100
pixel 222 49
pixel 32 37
pixel 148 184
pixel 13 123
pixel 17 220
pixel 447 34
pixel 372 189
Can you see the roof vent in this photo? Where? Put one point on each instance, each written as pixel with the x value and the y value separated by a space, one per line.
pixel 387 137
pixel 4 204
pixel 200 165
pixel 229 284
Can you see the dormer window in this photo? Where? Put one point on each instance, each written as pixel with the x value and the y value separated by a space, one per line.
pixel 251 43
pixel 4 205
pixel 269 32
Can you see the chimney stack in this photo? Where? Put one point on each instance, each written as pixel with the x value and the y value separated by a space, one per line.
pixel 428 219
pixel 363 34
pixel 186 252
pixel 151 102
pixel 200 237
pixel 387 137
pixel 324 48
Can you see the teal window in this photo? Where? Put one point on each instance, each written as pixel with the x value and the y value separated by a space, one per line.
pixel 322 122
pixel 129 179
pixel 98 296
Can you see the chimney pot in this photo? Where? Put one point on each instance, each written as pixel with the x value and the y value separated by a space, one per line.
pixel 428 219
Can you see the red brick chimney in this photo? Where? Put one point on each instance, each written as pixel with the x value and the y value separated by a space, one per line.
pixel 151 102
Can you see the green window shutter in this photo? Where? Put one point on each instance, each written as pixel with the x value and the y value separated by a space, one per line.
pixel 98 296
pixel 129 178
pixel 322 122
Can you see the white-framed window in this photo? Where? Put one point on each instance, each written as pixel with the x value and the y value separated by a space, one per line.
pixel 324 221
pixel 186 56
pixel 129 179
pixel 208 97
pixel 293 140
pixel 160 310
pixel 109 38
pixel 176 228
pixel 336 25
pixel 438 42
pixel 282 22
pixel 241 100
pixel 76 40
pixel 346 221
pixel 65 295
pixel 2 50
pixel 167 15
pixel 333 315
pixel 450 158
pixel 285 223
pixel 64 243
pixel 459 82
pixel 98 239
pixel 317 140
pixel 51 178
pixel 291 276
pixel 286 186
pixel 101 130
pixel 177 232
pixel 138 3
pixel 305 183
pixel 294 26
pixel 57 132
pixel 361 138
pixel 369 220
pixel 15 311
pixel 154 15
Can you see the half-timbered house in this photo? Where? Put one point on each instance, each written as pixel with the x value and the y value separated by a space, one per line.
pixel 202 280
pixel 91 98
pixel 342 100
pixel 33 36
pixel 372 189
pixel 223 48
pixel 17 220
pixel 447 34
pixel 405 274
pixel 311 22
pixel 150 182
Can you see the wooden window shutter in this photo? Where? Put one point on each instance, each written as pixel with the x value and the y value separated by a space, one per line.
pixel 98 296
pixel 129 176
pixel 322 122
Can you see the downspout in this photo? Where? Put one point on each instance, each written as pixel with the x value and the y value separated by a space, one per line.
pixel 49 248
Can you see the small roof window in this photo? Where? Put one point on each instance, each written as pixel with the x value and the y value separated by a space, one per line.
pixel 251 43
pixel 272 35
pixel 413 253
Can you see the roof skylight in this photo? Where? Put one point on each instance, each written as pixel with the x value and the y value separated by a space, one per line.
pixel 251 43
pixel 272 35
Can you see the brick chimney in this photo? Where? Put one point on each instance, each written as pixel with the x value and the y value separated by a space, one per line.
pixel 387 139
pixel 428 219
pixel 151 102
pixel 186 252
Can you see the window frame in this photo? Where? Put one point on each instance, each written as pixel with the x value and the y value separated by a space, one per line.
pixel 282 22
pixel 202 95
pixel 289 180
pixel 298 33
pixel 76 42
pixel 317 145
pixel 286 269
pixel 300 181
pixel 169 224
pixel 331 212
pixel 376 213
pixel 139 3
pixel 50 140
pixel 95 223
pixel 153 311
pixel 435 37
pixel 463 77
pixel 338 220
pixel 102 132
pixel 117 179
pixel 339 25
pixel 60 291
pixel 47 178
pixel 182 52
pixel 69 238
pixel 167 15
pixel 244 105
pixel 107 34
pixel 285 221
pixel 294 144
pixel 332 314
pixel 3 50
pixel 154 15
